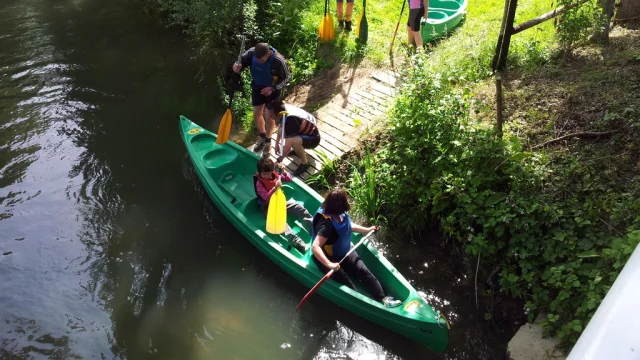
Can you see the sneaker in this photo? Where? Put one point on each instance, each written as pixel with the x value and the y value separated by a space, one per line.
pixel 301 169
pixel 347 25
pixel 389 301
pixel 299 244
pixel 341 24
pixel 259 145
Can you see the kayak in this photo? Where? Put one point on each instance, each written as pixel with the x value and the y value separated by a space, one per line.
pixel 442 17
pixel 226 172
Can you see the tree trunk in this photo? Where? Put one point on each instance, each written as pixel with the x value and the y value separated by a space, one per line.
pixel 628 10
pixel 602 35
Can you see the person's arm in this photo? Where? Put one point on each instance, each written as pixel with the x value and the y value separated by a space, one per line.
pixel 363 230
pixel 316 248
pixel 245 60
pixel 262 191
pixel 285 176
pixel 283 72
pixel 426 9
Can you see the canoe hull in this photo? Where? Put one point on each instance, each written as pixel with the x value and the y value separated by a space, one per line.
pixel 218 164
pixel 443 16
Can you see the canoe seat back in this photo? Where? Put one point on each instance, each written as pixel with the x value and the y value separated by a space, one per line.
pixel 444 4
pixel 238 187
pixel 218 157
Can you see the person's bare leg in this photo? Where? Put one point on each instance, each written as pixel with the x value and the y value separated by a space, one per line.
pixel 349 11
pixel 417 36
pixel 299 149
pixel 410 40
pixel 258 118
pixel 270 124
pixel 339 10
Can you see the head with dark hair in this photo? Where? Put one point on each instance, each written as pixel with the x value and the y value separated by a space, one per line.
pixel 336 202
pixel 262 52
pixel 266 167
pixel 277 106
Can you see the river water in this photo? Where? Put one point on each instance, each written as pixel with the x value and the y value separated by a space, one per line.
pixel 109 247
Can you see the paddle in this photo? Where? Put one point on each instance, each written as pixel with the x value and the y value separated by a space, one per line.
pixel 328 275
pixel 363 26
pixel 225 124
pixel 277 211
pixel 326 30
pixel 404 2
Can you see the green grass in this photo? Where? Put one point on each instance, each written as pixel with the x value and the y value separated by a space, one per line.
pixel 382 17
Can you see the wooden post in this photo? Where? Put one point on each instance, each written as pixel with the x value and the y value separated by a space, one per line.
pixel 504 39
pixel 499 105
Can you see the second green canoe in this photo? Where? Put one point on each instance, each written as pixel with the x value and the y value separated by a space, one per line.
pixel 442 17
pixel 226 171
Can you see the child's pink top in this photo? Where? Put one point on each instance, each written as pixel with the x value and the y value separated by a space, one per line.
pixel 415 4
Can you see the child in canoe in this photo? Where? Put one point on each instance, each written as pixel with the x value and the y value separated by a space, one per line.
pixel 331 234
pixel 265 182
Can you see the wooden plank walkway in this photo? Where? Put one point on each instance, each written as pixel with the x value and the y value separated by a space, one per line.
pixel 341 121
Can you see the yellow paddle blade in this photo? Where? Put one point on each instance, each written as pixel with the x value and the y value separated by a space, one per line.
pixel 321 30
pixel 277 213
pixel 225 128
pixel 330 29
pixel 326 30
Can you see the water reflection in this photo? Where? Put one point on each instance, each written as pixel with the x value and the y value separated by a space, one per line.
pixel 28 339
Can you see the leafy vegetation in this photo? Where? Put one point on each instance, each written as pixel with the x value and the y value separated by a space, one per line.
pixel 559 224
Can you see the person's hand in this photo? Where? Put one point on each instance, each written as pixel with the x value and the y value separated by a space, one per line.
pixel 278 183
pixel 334 266
pixel 373 228
pixel 266 91
pixel 237 67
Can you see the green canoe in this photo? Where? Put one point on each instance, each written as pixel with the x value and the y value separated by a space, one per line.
pixel 226 172
pixel 442 17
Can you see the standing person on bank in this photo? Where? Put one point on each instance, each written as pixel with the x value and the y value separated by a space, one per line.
pixel 346 25
pixel 417 11
pixel 270 74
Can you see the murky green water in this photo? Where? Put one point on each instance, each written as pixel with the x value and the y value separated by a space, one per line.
pixel 109 247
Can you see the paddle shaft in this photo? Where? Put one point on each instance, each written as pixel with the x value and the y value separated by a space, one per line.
pixel 235 77
pixel 328 275
pixel 363 27
pixel 404 2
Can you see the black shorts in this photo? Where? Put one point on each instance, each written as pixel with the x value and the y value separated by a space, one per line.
pixel 258 99
pixel 310 142
pixel 415 16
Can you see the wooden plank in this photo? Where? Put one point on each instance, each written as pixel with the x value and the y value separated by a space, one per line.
pixel 338 114
pixel 357 113
pixel 386 78
pixel 373 98
pixel 366 106
pixel 337 123
pixel 383 89
pixel 343 143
